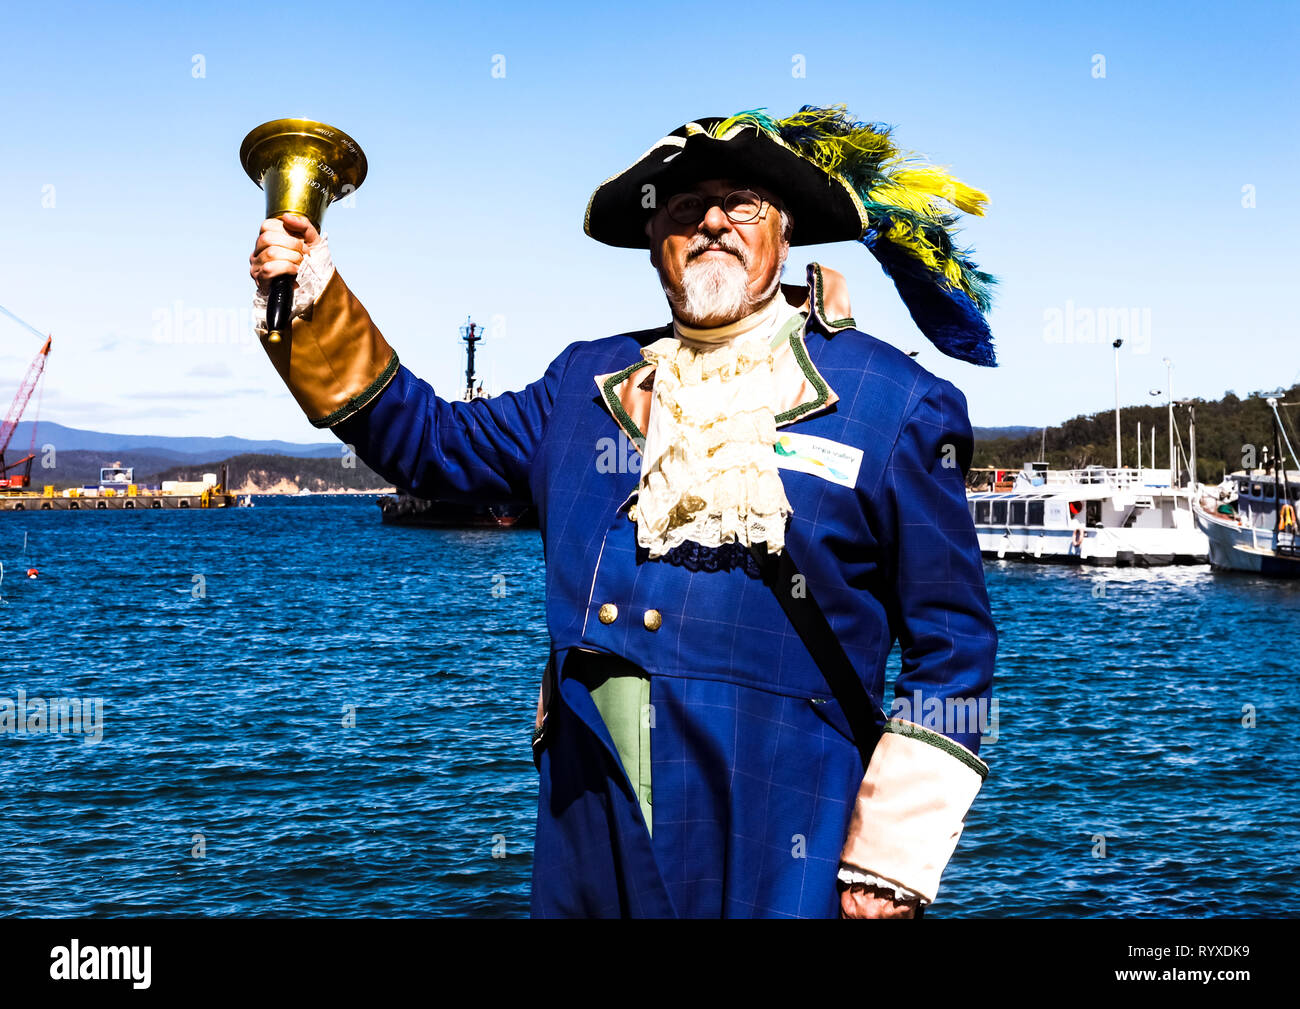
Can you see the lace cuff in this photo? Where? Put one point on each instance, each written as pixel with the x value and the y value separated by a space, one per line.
pixel 314 273
pixel 851 874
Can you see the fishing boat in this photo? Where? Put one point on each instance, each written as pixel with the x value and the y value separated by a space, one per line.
pixel 1250 518
pixel 1109 517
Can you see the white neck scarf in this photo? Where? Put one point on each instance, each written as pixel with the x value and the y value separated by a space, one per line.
pixel 708 470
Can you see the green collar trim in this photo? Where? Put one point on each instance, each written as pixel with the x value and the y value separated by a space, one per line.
pixel 817 284
pixel 615 405
pixel 793 334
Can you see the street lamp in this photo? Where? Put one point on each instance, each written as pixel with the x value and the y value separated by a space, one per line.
pixel 1118 458
pixel 1154 392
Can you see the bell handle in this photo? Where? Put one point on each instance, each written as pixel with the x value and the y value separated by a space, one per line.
pixel 279 307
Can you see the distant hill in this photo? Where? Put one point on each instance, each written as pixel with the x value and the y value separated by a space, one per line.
pixel 81 469
pixel 178 449
pixel 254 473
pixel 1014 431
pixel 1224 428
pixel 249 473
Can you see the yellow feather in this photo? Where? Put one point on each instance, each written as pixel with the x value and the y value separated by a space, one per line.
pixel 937 182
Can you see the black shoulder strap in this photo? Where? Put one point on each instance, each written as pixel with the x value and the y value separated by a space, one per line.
pixel 865 718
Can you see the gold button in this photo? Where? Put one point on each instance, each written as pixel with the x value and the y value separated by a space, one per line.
pixel 631 514
pixel 608 613
pixel 653 619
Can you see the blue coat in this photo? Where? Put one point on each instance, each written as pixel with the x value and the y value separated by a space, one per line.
pixel 753 767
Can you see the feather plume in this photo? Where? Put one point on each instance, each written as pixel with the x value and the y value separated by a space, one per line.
pixel 912 207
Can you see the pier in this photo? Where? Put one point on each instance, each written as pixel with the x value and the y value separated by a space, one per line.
pixel 134 502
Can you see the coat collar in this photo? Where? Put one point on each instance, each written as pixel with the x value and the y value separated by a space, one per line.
pixel 800 388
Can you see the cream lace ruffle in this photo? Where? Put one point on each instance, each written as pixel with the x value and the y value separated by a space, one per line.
pixel 709 471
pixel 900 893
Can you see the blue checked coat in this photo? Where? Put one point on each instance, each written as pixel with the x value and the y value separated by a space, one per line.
pixel 754 772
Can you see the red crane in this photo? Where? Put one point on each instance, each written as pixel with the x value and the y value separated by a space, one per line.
pixel 15 414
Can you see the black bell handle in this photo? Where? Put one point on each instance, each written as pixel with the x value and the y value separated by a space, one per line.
pixel 279 307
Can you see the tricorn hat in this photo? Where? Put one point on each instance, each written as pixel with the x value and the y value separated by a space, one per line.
pixel 840 180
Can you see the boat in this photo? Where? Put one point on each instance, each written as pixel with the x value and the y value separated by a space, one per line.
pixel 1097 516
pixel 1250 519
pixel 403 509
pixel 408 510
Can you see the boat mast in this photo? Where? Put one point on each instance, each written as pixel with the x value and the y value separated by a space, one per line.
pixel 469 333
pixel 1169 398
pixel 1281 482
pixel 1278 468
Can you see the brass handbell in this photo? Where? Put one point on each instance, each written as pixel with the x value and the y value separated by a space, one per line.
pixel 303 166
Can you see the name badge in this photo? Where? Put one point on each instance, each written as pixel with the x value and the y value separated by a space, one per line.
pixel 830 460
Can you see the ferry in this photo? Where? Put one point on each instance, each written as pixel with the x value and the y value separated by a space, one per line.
pixel 1093 516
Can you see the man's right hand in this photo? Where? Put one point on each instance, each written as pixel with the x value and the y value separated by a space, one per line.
pixel 282 244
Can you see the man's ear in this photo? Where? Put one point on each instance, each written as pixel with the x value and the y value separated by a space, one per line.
pixel 654 246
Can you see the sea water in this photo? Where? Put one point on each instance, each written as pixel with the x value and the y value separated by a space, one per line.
pixel 304 712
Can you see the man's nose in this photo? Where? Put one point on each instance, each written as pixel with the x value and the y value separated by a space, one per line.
pixel 715 221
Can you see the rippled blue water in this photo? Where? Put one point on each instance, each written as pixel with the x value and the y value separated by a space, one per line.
pixel 227 645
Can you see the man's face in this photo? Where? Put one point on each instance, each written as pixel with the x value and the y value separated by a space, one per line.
pixel 717 271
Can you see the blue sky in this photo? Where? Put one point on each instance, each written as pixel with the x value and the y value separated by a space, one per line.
pixel 1115 194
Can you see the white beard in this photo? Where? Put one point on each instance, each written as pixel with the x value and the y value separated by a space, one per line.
pixel 714 288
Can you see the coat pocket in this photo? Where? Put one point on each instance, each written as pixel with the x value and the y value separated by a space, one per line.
pixel 829 711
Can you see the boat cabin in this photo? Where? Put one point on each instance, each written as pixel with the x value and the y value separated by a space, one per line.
pixel 116 477
pixel 1258 495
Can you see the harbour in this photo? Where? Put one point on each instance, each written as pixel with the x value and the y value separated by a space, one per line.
pixel 422 803
pixel 1144 516
pixel 308 708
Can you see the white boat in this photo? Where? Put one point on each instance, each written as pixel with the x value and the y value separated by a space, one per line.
pixel 1108 517
pixel 1242 523
pixel 1251 518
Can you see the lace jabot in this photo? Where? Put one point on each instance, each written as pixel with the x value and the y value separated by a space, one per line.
pixel 709 471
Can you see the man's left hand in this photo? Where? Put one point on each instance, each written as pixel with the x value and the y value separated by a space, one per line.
pixel 861 901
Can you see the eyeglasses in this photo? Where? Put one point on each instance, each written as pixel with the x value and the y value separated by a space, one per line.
pixel 741 207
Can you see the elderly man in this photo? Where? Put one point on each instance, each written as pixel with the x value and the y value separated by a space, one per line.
pixel 721 614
